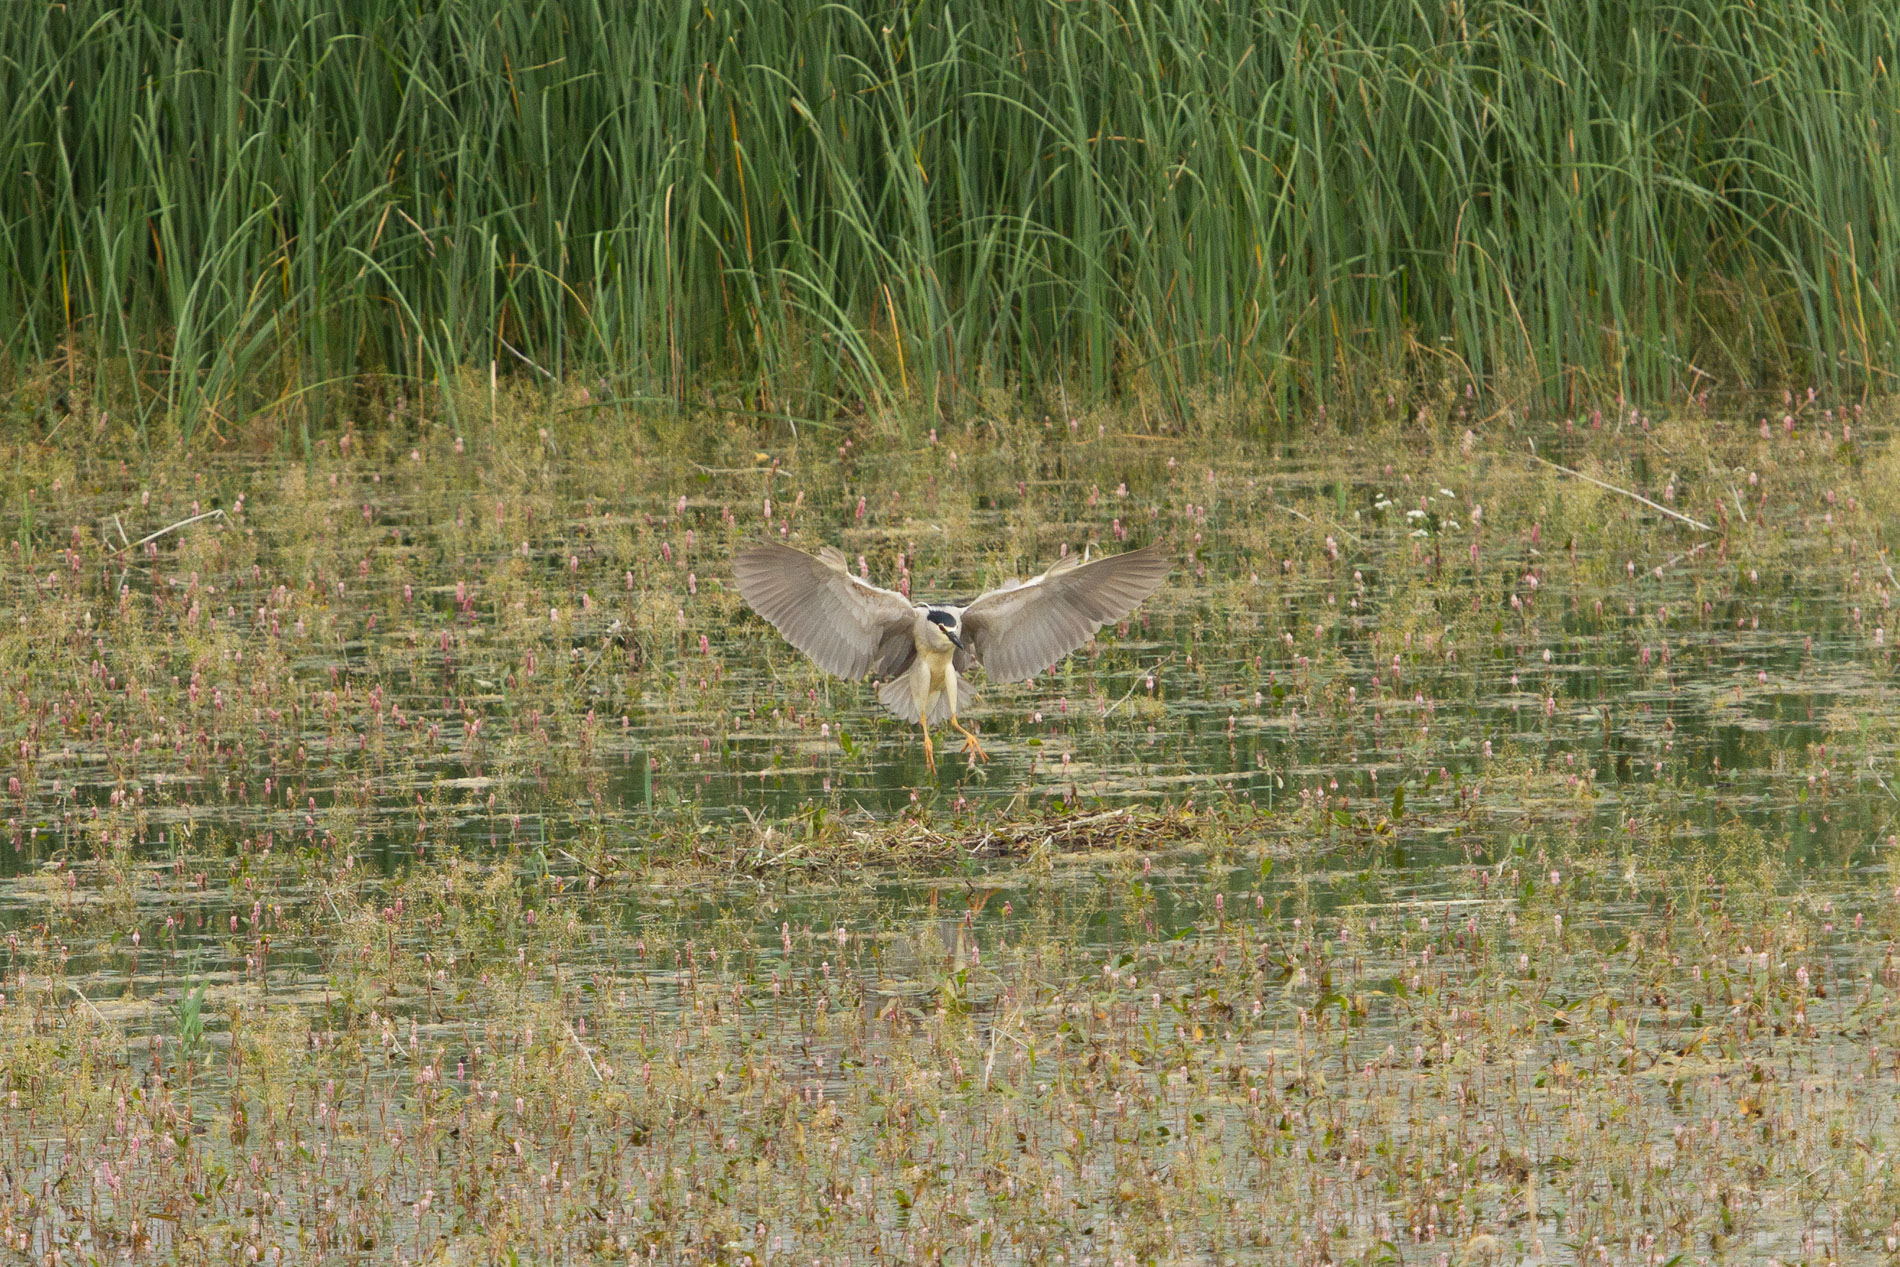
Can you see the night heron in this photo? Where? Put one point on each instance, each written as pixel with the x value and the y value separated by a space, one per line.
pixel 850 627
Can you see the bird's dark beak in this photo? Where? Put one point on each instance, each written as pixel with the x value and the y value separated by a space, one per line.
pixel 958 642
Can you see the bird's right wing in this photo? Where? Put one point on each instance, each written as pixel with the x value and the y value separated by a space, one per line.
pixel 1018 631
pixel 848 626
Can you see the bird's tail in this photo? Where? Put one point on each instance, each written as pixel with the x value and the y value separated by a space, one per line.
pixel 896 696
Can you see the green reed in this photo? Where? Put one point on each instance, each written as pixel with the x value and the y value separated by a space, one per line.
pixel 804 205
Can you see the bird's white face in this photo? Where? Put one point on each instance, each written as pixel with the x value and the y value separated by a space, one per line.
pixel 943 629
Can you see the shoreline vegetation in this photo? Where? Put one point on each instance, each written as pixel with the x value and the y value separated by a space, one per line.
pixel 236 215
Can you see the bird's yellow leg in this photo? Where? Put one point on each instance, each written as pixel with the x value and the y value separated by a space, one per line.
pixel 930 756
pixel 970 745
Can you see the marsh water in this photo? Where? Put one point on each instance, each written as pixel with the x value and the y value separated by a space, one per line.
pixel 1408 694
pixel 1412 646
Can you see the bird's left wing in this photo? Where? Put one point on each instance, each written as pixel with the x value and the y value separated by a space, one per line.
pixel 1018 631
pixel 848 626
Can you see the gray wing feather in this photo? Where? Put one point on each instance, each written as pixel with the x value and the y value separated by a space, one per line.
pixel 848 626
pixel 1021 629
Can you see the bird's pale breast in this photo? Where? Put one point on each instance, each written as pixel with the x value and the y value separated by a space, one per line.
pixel 939 664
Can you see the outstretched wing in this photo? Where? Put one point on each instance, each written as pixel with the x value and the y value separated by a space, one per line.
pixel 848 626
pixel 1018 631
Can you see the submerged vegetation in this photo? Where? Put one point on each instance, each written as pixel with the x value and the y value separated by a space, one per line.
pixel 805 209
pixel 420 855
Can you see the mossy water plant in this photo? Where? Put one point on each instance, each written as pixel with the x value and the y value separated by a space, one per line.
pixel 430 859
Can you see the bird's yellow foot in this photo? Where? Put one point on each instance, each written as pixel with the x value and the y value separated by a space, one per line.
pixel 930 755
pixel 971 748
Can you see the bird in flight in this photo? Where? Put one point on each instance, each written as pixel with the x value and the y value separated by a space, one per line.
pixel 851 627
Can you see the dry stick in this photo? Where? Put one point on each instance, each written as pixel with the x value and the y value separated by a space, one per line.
pixel 1687 554
pixel 1883 783
pixel 781 857
pixel 584 1052
pixel 733 470
pixel 523 357
pixel 182 523
pixel 762 839
pixel 88 1002
pixel 1591 479
pixel 1139 676
pixel 606 641
pixel 125 544
pixel 583 866
pixel 996 1032
pixel 1306 518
